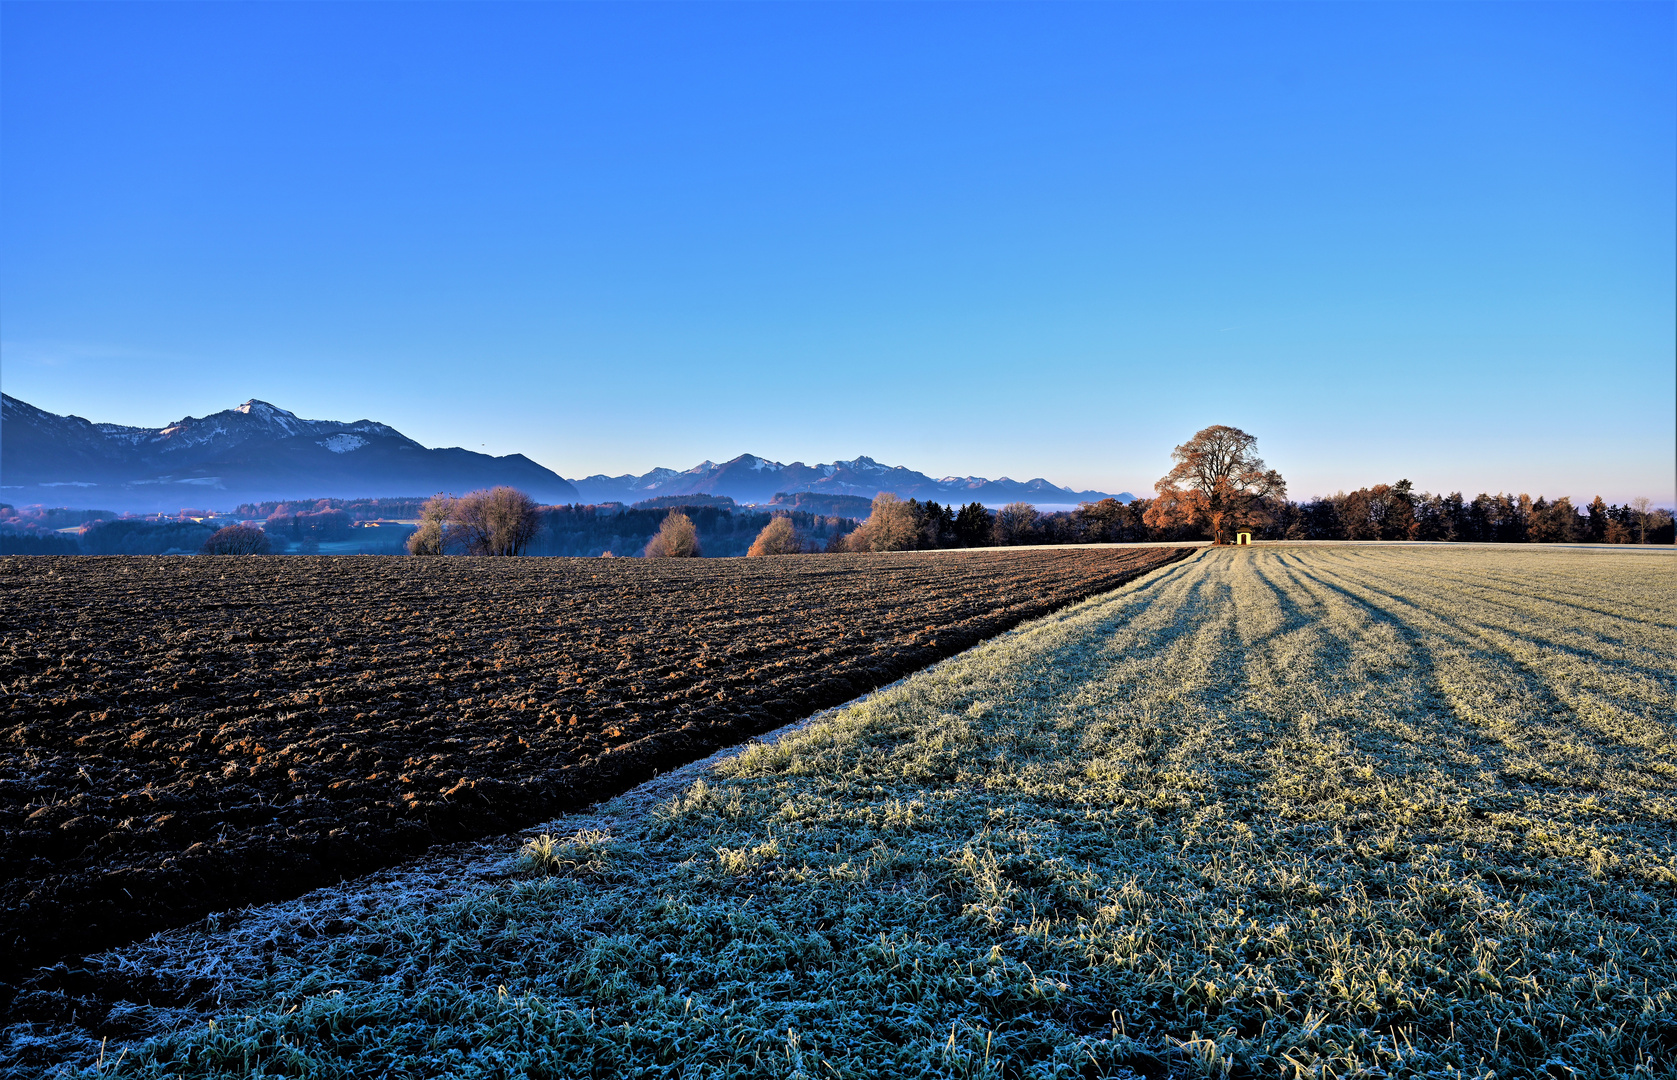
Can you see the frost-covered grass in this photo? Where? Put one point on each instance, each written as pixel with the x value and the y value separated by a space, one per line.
pixel 1320 812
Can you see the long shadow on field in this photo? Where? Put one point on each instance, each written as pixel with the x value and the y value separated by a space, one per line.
pixel 1539 631
pixel 1158 640
pixel 1507 584
pixel 1539 692
pixel 1337 645
pixel 1293 615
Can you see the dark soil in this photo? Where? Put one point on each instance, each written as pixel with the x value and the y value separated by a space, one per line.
pixel 183 735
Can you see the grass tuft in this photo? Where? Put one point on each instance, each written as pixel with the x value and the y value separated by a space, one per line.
pixel 586 853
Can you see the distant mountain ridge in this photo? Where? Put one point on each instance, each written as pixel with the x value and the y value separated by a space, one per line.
pixel 751 479
pixel 259 452
pixel 250 453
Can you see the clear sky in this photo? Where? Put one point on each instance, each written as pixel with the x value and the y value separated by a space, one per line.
pixel 1420 240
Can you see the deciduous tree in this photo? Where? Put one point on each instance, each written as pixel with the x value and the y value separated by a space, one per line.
pixel 1100 522
pixel 1218 483
pixel 1015 523
pixel 1641 510
pixel 433 525
pixel 891 526
pixel 496 521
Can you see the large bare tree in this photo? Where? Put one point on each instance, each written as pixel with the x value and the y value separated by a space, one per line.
pixel 494 521
pixel 1014 523
pixel 1219 483
pixel 499 521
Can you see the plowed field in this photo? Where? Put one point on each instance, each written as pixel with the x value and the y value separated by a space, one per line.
pixel 182 735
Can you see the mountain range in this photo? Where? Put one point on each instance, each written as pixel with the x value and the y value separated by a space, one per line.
pixel 751 479
pixel 258 451
pixel 250 453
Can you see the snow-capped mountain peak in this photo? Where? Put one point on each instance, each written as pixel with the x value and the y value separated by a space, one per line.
pixel 252 451
pixel 256 407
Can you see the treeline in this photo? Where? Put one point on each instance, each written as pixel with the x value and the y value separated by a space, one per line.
pixel 1397 512
pixel 316 525
pixel 32 543
pixel 589 530
pixel 397 509
pixel 128 536
pixel 911 525
pixel 1382 512
pixel 1387 512
pixel 298 534
pixel 49 517
pixel 33 530
pixel 301 527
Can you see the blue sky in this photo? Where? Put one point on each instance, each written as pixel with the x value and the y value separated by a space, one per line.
pixel 1419 240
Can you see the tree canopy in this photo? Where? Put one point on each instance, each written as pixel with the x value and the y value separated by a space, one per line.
pixel 1219 482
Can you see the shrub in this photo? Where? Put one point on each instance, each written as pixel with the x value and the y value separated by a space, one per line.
pixel 237 540
pixel 777 538
pixel 676 539
pixel 492 521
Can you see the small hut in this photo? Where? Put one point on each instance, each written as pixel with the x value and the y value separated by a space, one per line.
pixel 1243 538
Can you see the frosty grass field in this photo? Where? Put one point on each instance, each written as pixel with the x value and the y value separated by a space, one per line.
pixel 1315 811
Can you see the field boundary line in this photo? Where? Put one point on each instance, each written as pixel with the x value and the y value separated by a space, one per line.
pixel 650 791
